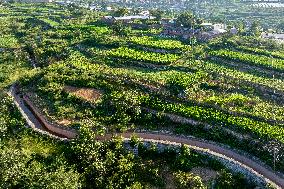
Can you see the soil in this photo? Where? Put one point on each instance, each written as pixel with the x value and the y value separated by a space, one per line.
pixel 85 93
pixel 206 174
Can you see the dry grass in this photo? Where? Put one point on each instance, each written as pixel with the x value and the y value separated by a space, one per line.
pixel 206 174
pixel 64 122
pixel 85 93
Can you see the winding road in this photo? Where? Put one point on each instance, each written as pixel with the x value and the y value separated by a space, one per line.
pixel 206 147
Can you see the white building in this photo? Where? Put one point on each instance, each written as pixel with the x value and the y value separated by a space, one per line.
pixel 277 36
pixel 126 19
pixel 233 30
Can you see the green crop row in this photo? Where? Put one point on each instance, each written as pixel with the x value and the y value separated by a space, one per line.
pixel 136 55
pixel 246 58
pixel 158 43
pixel 216 117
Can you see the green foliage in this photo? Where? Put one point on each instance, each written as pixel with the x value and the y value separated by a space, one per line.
pixel 122 107
pixel 121 12
pixel 186 19
pixel 25 160
pixel 120 29
pixel 188 181
pixel 151 57
pixel 255 29
pixel 263 61
pixel 141 76
pixel 104 165
pixel 152 42
pixel 157 13
pixel 230 181
pixel 8 42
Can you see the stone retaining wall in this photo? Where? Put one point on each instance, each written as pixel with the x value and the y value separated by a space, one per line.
pixel 57 129
pixel 232 165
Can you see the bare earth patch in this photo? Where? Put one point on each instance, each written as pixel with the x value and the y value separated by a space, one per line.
pixel 170 183
pixel 85 93
pixel 206 174
pixel 64 122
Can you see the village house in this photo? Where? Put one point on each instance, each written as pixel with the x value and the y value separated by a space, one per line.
pixel 206 31
pixel 174 31
pixel 126 19
pixel 275 36
pixel 37 1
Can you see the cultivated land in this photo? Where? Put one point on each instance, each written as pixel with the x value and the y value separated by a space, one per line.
pixel 228 91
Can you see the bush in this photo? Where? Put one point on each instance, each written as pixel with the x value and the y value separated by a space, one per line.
pixel 188 181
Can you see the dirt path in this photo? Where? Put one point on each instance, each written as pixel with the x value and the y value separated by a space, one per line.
pixel 196 144
pixel 218 151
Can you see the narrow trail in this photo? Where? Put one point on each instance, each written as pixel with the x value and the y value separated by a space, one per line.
pixel 203 146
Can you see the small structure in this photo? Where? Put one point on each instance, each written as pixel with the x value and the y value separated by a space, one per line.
pixel 206 32
pixel 233 30
pixel 126 19
pixel 144 13
pixel 182 32
pixel 37 1
pixel 276 36
pixel 205 24
pixel 219 26
pixel 109 9
pixel 273 36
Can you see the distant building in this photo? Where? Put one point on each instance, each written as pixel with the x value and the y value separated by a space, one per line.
pixel 36 1
pixel 173 31
pixel 205 33
pixel 144 13
pixel 219 26
pixel 233 30
pixel 276 36
pixel 109 9
pixel 126 19
pixel 205 24
pixel 206 36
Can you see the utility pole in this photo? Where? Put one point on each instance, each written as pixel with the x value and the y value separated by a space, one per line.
pixel 192 36
pixel 274 118
pixel 274 158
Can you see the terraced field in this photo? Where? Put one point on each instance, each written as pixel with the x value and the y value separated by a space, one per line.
pixel 231 92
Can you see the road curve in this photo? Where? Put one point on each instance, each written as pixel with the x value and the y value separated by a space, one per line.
pixel 164 138
pixel 211 148
pixel 253 165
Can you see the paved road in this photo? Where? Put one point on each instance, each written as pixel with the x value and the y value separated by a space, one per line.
pixel 163 138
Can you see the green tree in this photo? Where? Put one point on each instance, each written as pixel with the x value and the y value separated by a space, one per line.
pixel 120 29
pixel 186 19
pixel 121 12
pixel 255 29
pixel 104 165
pixel 157 13
pixel 185 180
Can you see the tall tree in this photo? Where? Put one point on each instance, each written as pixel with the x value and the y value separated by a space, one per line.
pixel 186 19
pixel 121 12
pixel 255 29
pixel 157 13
